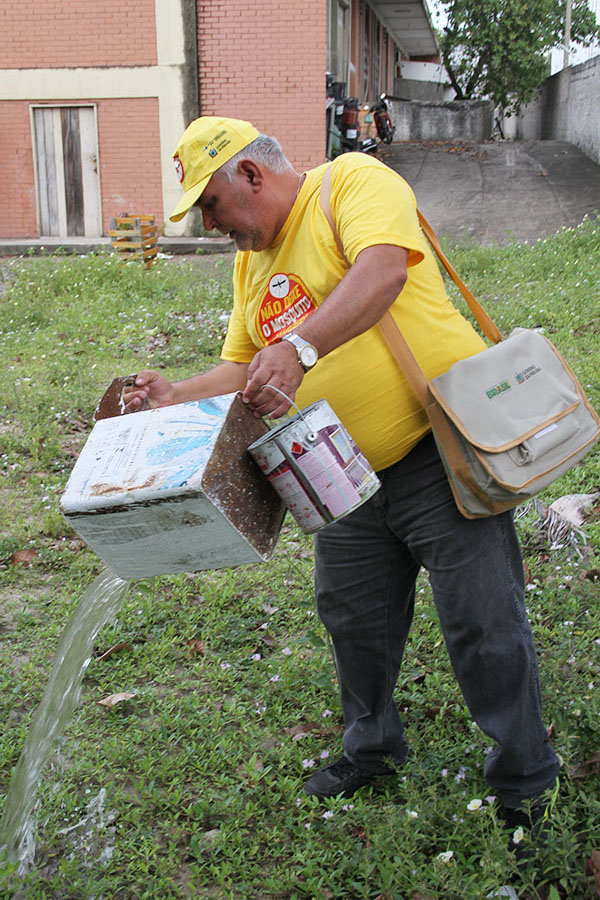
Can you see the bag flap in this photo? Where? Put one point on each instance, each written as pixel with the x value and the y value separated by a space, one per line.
pixel 507 393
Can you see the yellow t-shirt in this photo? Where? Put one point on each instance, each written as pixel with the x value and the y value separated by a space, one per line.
pixel 277 288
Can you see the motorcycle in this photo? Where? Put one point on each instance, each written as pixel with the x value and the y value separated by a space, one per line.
pixel 347 129
pixel 383 123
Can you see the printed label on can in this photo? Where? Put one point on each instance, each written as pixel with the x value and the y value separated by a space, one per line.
pixel 329 480
pixel 296 499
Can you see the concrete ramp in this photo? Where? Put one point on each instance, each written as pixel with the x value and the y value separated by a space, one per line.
pixel 498 192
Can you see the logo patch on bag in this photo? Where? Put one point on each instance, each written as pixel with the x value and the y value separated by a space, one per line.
pixel 529 372
pixel 498 389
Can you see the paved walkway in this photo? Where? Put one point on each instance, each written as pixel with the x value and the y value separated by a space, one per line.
pixel 180 245
pixel 499 192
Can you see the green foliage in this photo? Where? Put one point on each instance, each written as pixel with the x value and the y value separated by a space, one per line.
pixel 234 693
pixel 498 49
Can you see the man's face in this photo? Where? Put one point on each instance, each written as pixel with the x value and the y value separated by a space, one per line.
pixel 232 208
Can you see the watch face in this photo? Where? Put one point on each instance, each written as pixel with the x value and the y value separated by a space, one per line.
pixel 308 356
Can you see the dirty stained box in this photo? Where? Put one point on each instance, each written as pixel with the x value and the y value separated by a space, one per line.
pixel 174 490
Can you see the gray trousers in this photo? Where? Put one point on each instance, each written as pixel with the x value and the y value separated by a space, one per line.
pixel 366 568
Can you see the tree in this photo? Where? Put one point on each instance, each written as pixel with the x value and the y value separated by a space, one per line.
pixel 499 49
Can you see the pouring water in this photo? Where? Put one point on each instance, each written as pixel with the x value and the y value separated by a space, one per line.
pixel 99 604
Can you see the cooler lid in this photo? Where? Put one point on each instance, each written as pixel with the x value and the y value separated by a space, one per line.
pixel 146 456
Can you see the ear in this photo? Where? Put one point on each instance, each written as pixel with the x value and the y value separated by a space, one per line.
pixel 252 173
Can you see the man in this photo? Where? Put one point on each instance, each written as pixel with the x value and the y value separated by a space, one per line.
pixel 304 320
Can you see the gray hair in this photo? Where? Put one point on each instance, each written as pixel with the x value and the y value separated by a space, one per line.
pixel 263 149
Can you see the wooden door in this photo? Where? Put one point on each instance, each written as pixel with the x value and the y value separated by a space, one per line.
pixel 66 147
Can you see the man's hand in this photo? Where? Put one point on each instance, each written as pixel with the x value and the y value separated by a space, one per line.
pixel 275 365
pixel 150 386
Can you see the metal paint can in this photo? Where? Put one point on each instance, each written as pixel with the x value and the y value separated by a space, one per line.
pixel 315 467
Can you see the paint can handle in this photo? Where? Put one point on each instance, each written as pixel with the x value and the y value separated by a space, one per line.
pixel 310 435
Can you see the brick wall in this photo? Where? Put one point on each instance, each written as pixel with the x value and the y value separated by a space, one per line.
pixel 129 156
pixel 17 184
pixel 55 34
pixel 264 60
pixel 130 175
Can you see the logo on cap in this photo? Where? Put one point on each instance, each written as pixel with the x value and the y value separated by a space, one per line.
pixel 178 168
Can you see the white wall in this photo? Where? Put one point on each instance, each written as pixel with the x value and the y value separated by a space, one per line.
pixel 568 109
pixel 417 120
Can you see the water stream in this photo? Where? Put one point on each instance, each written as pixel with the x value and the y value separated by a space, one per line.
pixel 100 602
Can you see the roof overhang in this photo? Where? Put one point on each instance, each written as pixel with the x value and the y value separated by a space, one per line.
pixel 410 25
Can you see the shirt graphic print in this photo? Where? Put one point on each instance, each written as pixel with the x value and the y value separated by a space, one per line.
pixel 285 305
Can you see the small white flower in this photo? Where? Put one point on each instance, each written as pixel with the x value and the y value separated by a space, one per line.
pixel 446 856
pixel 274 678
pixel 474 805
pixel 328 712
pixel 308 763
pixel 518 835
pixel 490 798
pixel 444 773
pixel 256 656
pixel 348 806
pixel 298 801
pixel 327 814
pixel 323 754
pixel 307 825
pixel 223 665
pixel 286 651
pixel 412 814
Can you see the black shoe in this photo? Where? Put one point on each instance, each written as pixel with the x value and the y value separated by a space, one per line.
pixel 530 824
pixel 342 778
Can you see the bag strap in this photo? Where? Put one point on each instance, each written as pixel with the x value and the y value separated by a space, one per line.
pixel 487 325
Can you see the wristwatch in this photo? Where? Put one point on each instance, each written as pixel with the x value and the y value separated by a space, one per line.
pixel 307 353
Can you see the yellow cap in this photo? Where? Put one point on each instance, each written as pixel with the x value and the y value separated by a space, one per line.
pixel 206 144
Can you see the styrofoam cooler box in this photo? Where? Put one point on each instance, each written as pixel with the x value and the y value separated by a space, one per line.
pixel 174 490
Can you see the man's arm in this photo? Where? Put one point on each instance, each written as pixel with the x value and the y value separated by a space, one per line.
pixel 152 386
pixel 357 303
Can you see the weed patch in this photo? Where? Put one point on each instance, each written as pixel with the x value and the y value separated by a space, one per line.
pixel 192 787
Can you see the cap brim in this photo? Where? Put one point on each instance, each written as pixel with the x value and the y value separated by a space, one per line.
pixel 189 198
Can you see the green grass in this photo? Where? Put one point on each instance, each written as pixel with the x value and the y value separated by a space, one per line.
pixel 203 768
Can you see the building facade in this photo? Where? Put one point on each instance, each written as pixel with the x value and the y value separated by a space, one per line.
pixel 94 97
